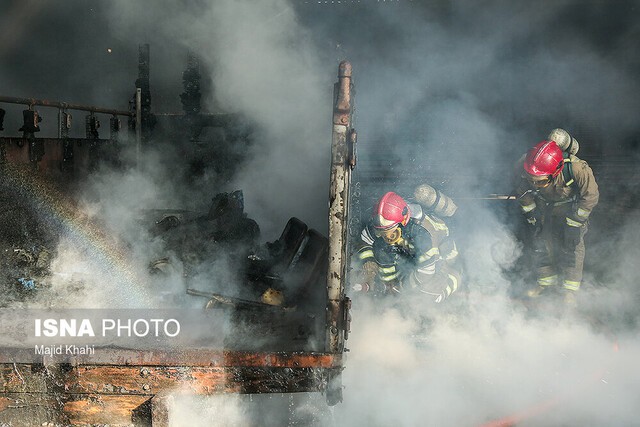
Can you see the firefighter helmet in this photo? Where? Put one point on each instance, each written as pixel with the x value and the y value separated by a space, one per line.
pixel 545 159
pixel 390 211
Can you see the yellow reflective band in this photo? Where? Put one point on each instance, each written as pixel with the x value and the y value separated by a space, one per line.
pixel 583 213
pixel 568 183
pixel 448 290
pixel 366 254
pixel 437 224
pixel 454 253
pixel 429 269
pixel 573 223
pixel 548 281
pixel 528 208
pixel 428 255
pixel 388 278
pixel 454 281
pixel 387 270
pixel 571 285
pixel 424 258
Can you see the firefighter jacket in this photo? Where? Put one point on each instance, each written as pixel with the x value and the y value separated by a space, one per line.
pixel 423 258
pixel 560 213
pixel 573 194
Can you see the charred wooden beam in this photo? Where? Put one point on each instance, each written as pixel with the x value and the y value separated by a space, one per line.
pixel 341 165
pixel 125 387
pixel 148 381
pixel 90 409
pixel 338 208
pixel 29 409
pixel 182 357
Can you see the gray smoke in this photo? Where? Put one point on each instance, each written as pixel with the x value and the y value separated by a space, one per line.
pixel 262 65
pixel 451 93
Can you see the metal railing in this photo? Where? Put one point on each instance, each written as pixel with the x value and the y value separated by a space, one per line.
pixel 63 107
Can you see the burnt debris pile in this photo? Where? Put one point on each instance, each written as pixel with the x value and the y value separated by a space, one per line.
pixel 273 289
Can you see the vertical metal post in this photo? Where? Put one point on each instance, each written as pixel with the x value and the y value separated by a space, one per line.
pixel 138 124
pixel 59 123
pixel 338 209
pixel 144 84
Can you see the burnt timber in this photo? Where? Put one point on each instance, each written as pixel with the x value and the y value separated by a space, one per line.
pixel 118 386
pixel 125 387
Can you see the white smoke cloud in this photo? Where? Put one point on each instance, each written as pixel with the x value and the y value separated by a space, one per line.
pixel 465 90
pixel 263 65
pixel 248 410
pixel 266 67
pixel 222 411
pixel 484 361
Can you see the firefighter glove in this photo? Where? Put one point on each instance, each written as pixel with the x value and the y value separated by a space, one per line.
pixel 534 221
pixel 391 287
pixel 438 297
pixel 572 232
pixel 361 287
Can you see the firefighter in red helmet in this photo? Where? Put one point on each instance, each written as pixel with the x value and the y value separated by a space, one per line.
pixel 559 191
pixel 410 249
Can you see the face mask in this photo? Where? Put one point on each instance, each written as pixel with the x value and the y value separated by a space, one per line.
pixel 390 236
pixel 541 183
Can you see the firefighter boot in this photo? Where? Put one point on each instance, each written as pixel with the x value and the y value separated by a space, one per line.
pixel 536 292
pixel 544 283
pixel 570 299
pixel 570 292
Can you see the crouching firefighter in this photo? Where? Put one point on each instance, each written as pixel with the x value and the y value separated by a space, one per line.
pixel 408 248
pixel 559 191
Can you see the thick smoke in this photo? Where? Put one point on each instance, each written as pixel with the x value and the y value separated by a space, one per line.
pixel 263 65
pixel 464 97
pixel 451 93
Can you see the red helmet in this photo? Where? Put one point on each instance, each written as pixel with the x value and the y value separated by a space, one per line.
pixel 544 159
pixel 390 211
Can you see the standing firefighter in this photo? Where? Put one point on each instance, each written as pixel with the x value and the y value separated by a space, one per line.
pixel 408 247
pixel 560 192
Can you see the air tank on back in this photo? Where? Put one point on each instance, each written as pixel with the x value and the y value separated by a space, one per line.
pixel 565 141
pixel 434 200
